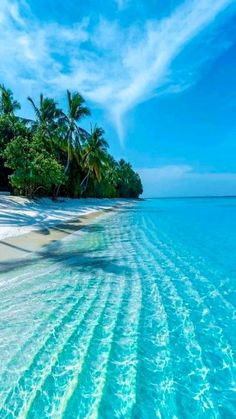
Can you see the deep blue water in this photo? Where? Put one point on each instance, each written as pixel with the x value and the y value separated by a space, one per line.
pixel 132 318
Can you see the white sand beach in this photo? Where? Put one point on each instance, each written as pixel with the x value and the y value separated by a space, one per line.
pixel 28 226
pixel 20 215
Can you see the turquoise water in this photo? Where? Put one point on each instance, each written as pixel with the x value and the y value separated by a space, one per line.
pixel 132 318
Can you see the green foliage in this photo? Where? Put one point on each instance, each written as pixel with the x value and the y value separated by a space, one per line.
pixel 53 154
pixel 129 182
pixel 10 128
pixel 34 168
pixel 8 105
pixel 94 157
pixel 76 111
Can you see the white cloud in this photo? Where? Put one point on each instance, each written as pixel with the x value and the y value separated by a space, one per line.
pixel 183 180
pixel 115 68
pixel 167 172
pixel 121 4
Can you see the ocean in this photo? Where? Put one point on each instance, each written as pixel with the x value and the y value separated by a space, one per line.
pixel 133 317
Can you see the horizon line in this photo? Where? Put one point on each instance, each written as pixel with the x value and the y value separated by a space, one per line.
pixel 189 197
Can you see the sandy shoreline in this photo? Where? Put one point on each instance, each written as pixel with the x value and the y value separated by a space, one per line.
pixel 14 249
pixel 19 215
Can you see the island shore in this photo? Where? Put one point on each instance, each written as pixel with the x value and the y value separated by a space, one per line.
pixel 16 216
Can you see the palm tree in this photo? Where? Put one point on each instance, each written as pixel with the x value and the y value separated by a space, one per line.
pixel 49 122
pixel 8 105
pixel 94 156
pixel 47 114
pixel 75 135
pixel 112 170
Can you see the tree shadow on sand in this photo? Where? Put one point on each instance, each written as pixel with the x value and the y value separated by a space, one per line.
pixel 57 252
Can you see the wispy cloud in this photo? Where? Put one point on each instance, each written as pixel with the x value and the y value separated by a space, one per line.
pixel 113 67
pixel 184 180
pixel 121 4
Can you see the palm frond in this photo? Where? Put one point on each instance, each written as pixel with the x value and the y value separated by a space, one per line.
pixel 36 110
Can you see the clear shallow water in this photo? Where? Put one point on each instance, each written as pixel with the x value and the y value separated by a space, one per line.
pixel 135 318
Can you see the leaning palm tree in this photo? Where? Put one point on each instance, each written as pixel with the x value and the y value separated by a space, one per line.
pixel 75 135
pixel 8 105
pixel 94 156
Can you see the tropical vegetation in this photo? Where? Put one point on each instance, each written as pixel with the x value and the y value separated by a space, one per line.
pixel 52 154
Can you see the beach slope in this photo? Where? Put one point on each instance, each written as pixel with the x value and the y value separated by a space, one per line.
pixel 27 226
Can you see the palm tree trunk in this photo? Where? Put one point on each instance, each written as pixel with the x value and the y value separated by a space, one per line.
pixel 57 188
pixel 68 156
pixel 86 178
pixel 56 192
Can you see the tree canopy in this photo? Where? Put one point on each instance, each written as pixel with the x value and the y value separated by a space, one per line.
pixel 52 154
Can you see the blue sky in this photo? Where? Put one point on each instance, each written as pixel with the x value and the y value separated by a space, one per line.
pixel 159 76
